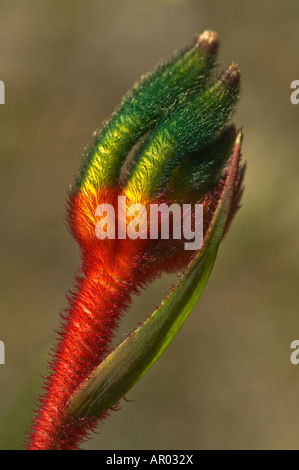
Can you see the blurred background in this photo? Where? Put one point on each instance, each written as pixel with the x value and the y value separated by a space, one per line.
pixel 226 382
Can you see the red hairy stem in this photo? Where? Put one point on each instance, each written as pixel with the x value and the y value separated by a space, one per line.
pixel 103 291
pixel 92 317
pixel 111 271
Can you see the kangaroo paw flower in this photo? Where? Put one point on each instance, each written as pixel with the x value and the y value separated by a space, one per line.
pixel 186 152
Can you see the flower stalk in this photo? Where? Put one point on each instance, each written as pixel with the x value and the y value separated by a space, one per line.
pixel 188 153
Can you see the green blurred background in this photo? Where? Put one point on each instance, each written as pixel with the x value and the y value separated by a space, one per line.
pixel 226 382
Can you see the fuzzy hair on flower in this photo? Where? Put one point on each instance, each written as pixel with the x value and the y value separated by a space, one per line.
pixel 170 142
